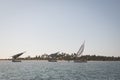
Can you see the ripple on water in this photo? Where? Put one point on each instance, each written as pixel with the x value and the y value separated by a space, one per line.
pixel 42 70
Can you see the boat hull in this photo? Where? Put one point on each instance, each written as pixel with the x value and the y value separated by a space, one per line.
pixel 80 61
pixel 16 60
pixel 52 60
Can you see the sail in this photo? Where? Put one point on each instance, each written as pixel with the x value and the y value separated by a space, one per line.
pixel 80 51
pixel 54 55
pixel 17 55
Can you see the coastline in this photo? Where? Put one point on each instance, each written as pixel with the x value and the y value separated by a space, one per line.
pixel 60 60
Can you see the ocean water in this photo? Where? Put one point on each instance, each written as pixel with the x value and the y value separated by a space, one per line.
pixel 43 70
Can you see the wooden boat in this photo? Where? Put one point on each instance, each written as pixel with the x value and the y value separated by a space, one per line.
pixel 80 51
pixel 53 57
pixel 16 60
pixel 52 60
pixel 15 57
pixel 80 61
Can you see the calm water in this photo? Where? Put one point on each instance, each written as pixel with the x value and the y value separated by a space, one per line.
pixel 43 70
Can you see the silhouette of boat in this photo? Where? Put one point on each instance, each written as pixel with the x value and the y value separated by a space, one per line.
pixel 80 61
pixel 52 60
pixel 15 57
pixel 53 57
pixel 79 53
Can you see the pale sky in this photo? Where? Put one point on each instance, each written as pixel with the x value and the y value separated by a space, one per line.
pixel 48 26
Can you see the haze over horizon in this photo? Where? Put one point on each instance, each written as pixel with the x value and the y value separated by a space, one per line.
pixel 48 26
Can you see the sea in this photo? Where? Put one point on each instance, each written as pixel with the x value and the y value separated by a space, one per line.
pixel 61 70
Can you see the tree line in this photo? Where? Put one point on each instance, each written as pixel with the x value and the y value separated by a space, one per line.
pixel 67 56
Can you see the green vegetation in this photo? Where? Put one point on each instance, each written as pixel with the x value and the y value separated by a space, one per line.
pixel 66 56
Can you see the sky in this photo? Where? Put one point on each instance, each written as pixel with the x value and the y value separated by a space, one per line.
pixel 48 26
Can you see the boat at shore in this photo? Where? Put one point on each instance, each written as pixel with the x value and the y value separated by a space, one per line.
pixel 78 54
pixel 53 57
pixel 14 60
pixel 15 57
pixel 80 61
pixel 52 60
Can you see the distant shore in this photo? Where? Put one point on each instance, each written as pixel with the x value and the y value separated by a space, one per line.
pixel 57 60
pixel 67 57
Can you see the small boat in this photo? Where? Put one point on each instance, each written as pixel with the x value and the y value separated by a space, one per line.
pixel 80 61
pixel 15 60
pixel 80 51
pixel 53 57
pixel 52 60
pixel 15 57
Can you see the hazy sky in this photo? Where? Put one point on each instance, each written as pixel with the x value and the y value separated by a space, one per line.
pixel 48 26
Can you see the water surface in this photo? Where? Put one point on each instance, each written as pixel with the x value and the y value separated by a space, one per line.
pixel 43 70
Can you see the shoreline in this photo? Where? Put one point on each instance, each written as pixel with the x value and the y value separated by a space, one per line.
pixel 57 60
